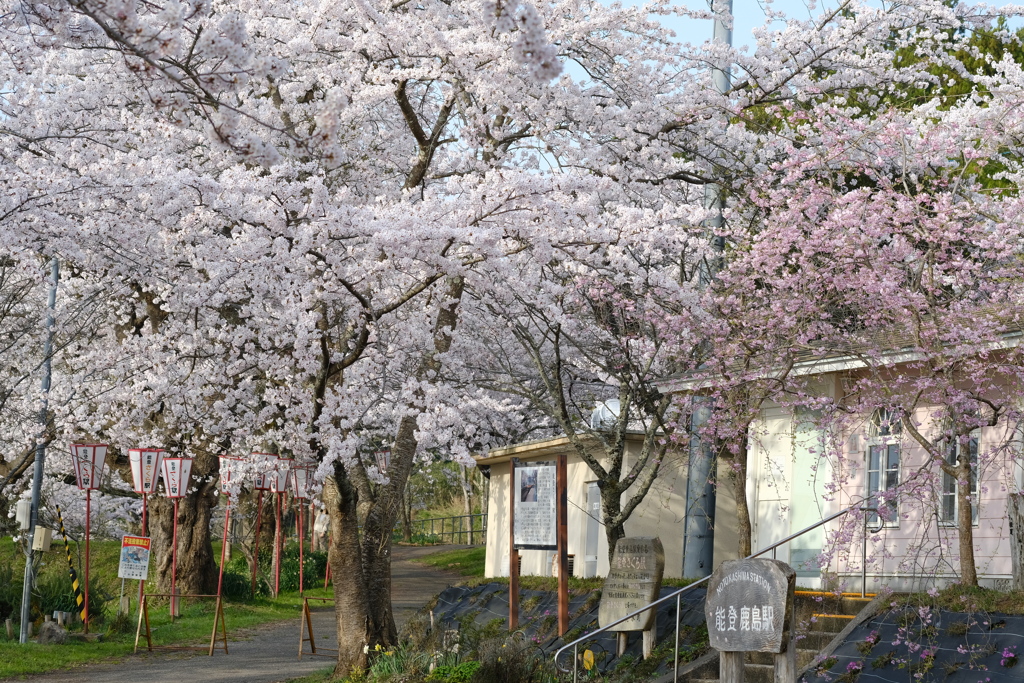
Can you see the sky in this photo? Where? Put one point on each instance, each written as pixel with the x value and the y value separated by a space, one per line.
pixel 747 14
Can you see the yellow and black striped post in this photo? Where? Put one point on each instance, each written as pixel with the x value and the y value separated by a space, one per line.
pixel 79 598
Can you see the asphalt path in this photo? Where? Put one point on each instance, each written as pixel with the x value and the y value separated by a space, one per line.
pixel 267 654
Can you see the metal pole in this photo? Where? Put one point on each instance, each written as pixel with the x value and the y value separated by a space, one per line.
pixel 37 481
pixel 675 670
pixel 174 563
pixel 88 511
pixel 256 548
pixel 864 561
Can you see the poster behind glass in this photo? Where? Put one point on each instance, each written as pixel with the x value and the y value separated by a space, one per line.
pixel 535 506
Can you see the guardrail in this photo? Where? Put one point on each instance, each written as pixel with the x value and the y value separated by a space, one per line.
pixel 468 529
pixel 678 594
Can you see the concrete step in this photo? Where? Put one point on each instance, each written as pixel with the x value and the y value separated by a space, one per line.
pixel 814 640
pixel 809 603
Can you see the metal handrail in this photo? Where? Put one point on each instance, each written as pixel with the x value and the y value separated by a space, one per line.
pixel 421 525
pixel 678 596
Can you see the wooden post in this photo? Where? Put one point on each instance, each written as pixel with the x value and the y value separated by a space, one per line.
pixel 562 531
pixel 513 554
pixel 621 641
pixel 730 667
pixel 785 663
pixel 648 644
pixel 1015 511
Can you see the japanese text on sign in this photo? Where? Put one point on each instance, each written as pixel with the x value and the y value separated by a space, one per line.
pixel 534 506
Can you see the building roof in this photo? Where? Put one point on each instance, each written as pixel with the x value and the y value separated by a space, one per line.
pixel 536 449
pixel 899 346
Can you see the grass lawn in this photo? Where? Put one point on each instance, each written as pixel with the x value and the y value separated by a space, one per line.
pixel 469 562
pixel 192 628
pixel 465 561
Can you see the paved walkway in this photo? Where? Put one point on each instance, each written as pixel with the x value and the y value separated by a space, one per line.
pixel 269 655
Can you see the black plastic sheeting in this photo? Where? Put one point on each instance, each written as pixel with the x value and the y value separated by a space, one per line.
pixel 927 645
pixel 459 606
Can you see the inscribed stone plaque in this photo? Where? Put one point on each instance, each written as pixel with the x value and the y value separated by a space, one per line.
pixel 750 605
pixel 634 581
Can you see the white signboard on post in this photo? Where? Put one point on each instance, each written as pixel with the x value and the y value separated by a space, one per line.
pixel 145 463
pixel 134 558
pixel 176 476
pixel 88 463
pixel 535 506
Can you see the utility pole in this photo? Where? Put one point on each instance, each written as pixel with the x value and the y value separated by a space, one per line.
pixel 699 533
pixel 37 480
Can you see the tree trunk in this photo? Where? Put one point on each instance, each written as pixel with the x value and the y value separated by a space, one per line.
pixel 362 569
pixel 467 501
pixel 351 606
pixel 407 514
pixel 611 507
pixel 197 570
pixel 1015 511
pixel 744 529
pixel 277 539
pixel 968 569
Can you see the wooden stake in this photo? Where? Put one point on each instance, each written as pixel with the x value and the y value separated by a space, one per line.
pixel 513 554
pixel 562 534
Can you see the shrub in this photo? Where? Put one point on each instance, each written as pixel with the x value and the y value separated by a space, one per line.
pixel 511 660
pixel 399 661
pixel 459 673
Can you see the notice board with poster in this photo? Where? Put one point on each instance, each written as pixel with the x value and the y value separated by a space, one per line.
pixel 534 506
pixel 134 558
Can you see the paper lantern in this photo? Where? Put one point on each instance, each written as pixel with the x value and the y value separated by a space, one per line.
pixel 229 472
pixel 302 477
pixel 176 473
pixel 266 463
pixel 145 464
pixel 88 462
pixel 279 477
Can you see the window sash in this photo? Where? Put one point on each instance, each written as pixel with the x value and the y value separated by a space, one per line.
pixel 948 504
pixel 883 475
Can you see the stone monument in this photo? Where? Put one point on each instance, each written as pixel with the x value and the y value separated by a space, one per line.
pixel 749 607
pixel 634 580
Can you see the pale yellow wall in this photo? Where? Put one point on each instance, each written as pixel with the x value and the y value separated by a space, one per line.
pixel 661 514
pixel 726 538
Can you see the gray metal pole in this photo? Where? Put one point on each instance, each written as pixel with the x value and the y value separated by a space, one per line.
pixel 37 481
pixel 722 79
pixel 698 535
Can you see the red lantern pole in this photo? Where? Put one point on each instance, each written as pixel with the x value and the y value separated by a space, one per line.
pixel 277 549
pixel 174 564
pixel 256 548
pixel 88 511
pixel 301 535
pixel 145 527
pixel 327 574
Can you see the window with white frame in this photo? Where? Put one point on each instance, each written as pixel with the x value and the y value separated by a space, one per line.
pixel 948 504
pixel 883 477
